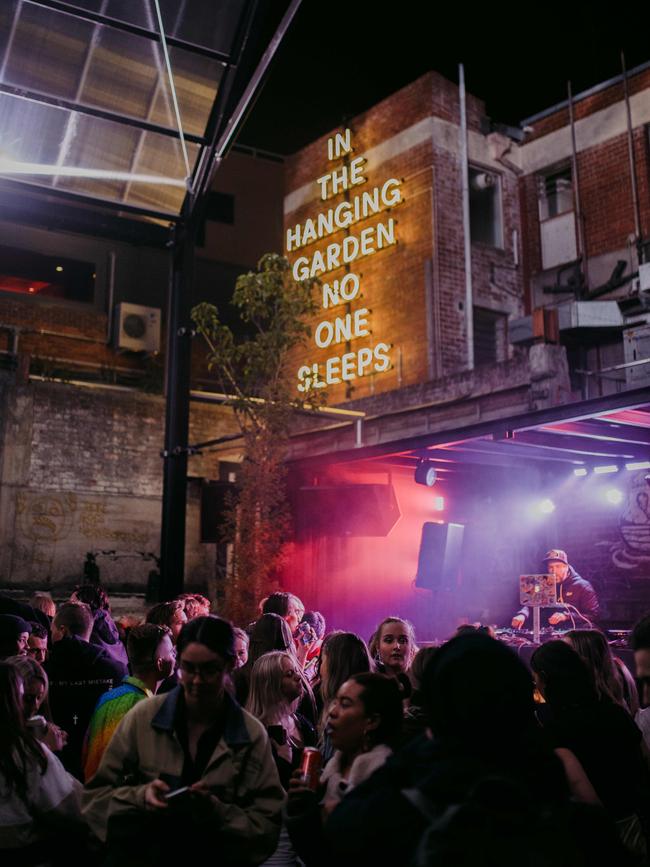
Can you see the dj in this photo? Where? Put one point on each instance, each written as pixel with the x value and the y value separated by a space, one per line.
pixel 572 590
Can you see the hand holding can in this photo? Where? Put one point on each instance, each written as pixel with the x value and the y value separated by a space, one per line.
pixel 310 767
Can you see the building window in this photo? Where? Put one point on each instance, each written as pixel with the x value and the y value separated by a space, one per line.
pixel 489 336
pixel 486 225
pixel 25 272
pixel 557 226
pixel 555 193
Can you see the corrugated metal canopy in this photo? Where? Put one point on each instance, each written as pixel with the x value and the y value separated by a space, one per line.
pixel 87 104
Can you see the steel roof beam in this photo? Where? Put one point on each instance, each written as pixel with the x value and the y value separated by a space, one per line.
pixel 19 187
pixel 127 27
pixel 101 113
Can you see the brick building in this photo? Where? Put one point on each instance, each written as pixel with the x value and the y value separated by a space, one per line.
pixel 586 224
pixel 466 375
pixel 489 397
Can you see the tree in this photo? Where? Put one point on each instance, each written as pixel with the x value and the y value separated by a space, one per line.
pixel 252 368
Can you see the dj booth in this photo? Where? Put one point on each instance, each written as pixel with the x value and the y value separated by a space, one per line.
pixel 541 591
pixel 522 641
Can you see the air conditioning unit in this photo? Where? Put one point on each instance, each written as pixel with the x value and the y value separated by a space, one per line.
pixel 636 344
pixel 137 328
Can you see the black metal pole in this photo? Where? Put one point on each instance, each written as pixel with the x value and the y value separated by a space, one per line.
pixel 177 389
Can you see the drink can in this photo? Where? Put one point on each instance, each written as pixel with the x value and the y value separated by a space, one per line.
pixel 310 766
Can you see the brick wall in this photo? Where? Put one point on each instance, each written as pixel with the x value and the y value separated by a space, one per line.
pixel 80 470
pixel 589 104
pixel 427 334
pixel 603 173
pixel 605 194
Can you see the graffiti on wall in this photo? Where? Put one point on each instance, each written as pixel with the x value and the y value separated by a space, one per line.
pixel 53 531
pixel 632 549
pixel 93 526
pixel 46 517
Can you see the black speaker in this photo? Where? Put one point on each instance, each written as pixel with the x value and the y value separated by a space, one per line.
pixel 213 509
pixel 441 548
pixel 346 510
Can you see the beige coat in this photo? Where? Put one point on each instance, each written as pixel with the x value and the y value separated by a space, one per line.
pixel 241 773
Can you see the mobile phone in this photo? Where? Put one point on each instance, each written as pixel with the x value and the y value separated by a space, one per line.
pixel 305 633
pixel 175 793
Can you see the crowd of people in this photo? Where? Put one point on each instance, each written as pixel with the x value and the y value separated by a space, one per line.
pixel 140 743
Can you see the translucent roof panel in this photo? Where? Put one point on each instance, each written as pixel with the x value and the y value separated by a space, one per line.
pixel 85 94
pixel 207 23
pixel 57 148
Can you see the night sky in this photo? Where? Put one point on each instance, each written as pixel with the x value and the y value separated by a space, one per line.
pixel 339 58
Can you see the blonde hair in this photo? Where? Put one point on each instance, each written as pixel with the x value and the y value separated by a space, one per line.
pixel 29 670
pixel 373 644
pixel 265 698
pixel 42 601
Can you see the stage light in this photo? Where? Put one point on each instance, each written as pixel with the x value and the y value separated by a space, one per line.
pixel 609 468
pixel 614 496
pixel 546 506
pixel 638 465
pixel 439 503
pixel 425 474
pixel 580 471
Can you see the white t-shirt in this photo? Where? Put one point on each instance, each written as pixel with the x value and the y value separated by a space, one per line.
pixel 46 793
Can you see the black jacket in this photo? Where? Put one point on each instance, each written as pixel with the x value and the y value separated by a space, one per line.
pixel 377 824
pixel 21 609
pixel 578 593
pixel 79 673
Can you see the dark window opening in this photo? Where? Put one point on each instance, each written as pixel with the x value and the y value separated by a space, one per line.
pixel 489 336
pixel 555 193
pixel 485 208
pixel 28 273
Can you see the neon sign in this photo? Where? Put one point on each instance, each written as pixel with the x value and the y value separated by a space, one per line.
pixel 353 324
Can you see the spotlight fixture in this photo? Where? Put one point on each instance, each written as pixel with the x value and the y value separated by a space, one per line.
pixel 609 468
pixel 425 474
pixel 614 496
pixel 580 471
pixel 638 465
pixel 546 506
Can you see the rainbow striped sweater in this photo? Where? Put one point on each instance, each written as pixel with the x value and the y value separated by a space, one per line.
pixel 110 709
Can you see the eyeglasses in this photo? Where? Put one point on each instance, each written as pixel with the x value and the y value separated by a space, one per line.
pixel 206 671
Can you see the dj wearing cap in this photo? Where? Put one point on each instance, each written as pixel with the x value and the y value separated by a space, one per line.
pixel 572 590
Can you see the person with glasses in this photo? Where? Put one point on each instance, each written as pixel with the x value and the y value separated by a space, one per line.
pixel 189 765
pixel 37 643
